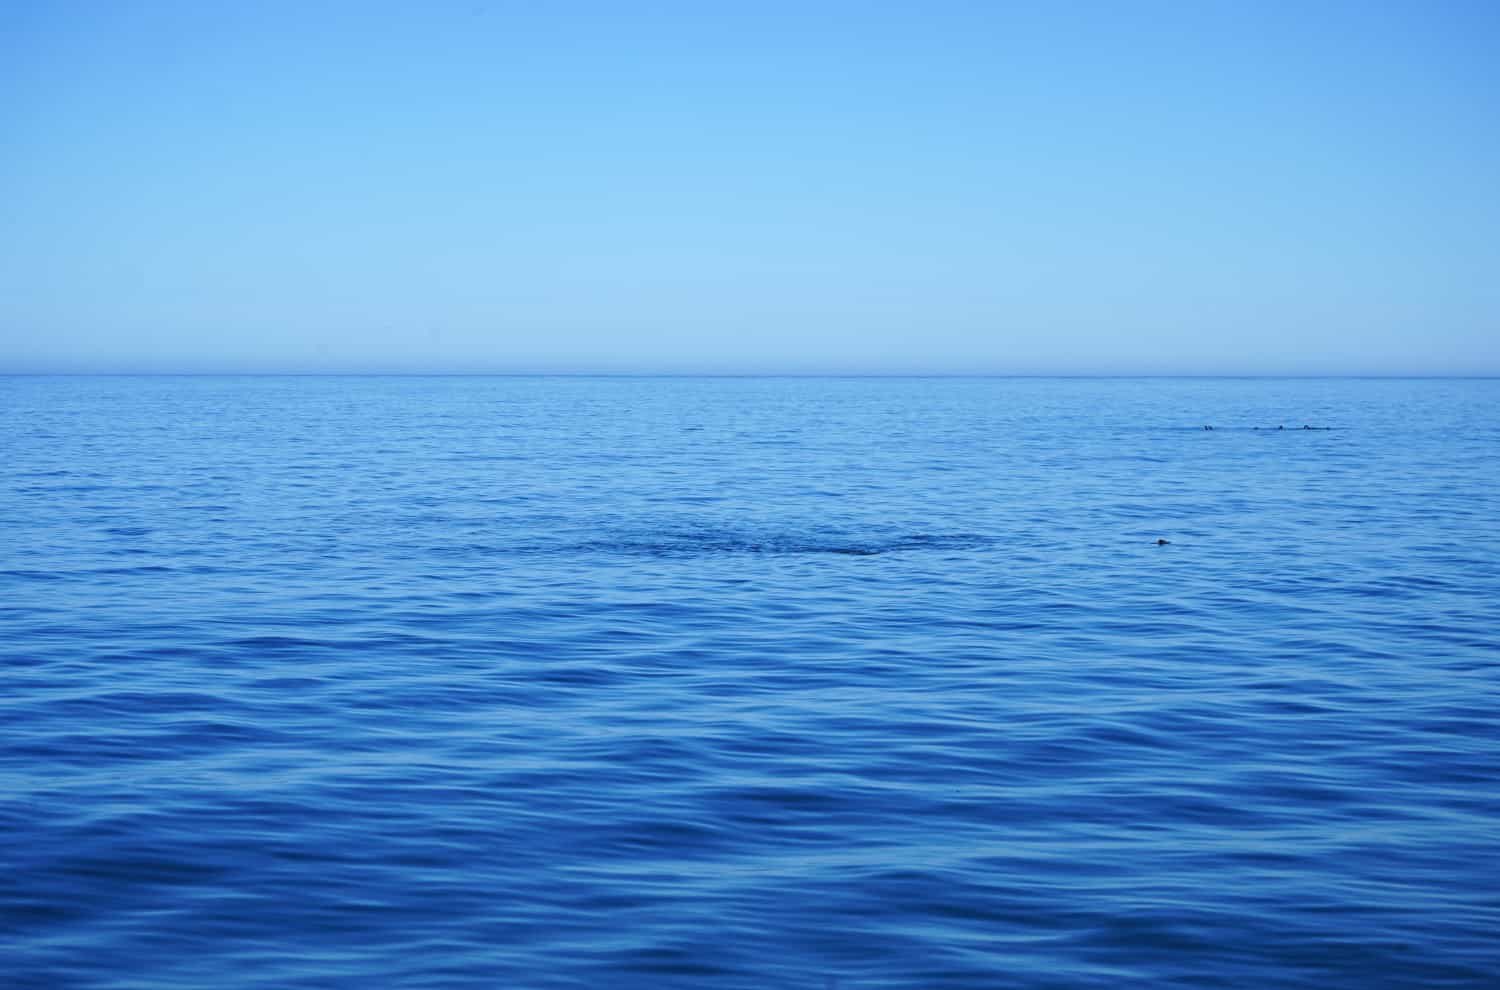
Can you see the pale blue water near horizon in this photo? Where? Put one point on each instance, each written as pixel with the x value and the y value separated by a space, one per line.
pixel 749 683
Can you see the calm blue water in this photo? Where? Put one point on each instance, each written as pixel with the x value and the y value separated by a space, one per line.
pixel 748 683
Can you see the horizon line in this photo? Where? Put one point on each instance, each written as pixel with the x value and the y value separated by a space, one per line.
pixel 1472 376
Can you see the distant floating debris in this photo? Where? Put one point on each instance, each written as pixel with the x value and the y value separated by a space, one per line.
pixel 1161 542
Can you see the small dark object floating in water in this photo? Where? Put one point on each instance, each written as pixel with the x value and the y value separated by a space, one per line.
pixel 1162 543
pixel 1208 427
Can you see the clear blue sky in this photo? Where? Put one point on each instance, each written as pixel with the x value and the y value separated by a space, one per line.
pixel 1110 187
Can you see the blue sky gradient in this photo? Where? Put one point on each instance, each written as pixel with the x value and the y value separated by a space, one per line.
pixel 1086 188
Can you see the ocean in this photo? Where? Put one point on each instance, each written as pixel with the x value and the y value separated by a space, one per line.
pixel 770 683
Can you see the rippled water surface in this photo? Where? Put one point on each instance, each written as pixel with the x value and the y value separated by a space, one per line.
pixel 749 683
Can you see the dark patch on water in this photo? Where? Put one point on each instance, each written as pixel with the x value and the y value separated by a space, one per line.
pixel 704 544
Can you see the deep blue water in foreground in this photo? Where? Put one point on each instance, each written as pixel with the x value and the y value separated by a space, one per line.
pixel 749 683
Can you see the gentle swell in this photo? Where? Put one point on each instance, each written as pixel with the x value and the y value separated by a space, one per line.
pixel 738 683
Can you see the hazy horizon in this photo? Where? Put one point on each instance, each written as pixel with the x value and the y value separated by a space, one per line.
pixel 957 375
pixel 485 187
